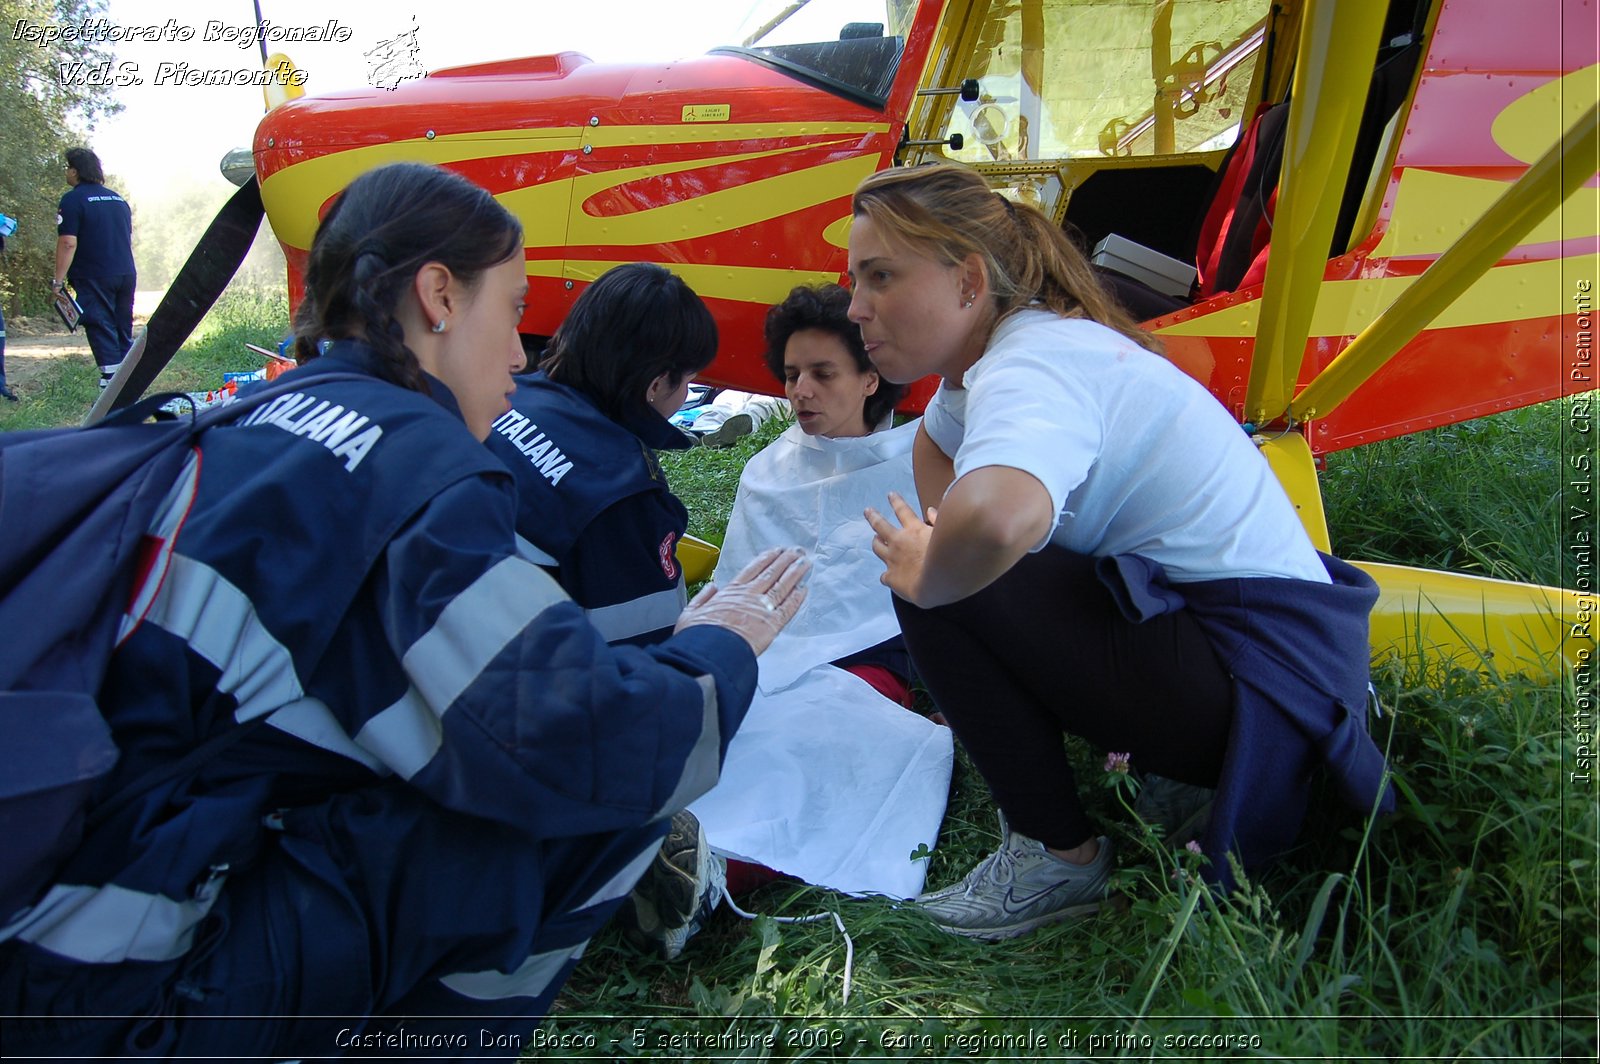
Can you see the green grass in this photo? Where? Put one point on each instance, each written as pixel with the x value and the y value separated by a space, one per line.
pixel 1482 497
pixel 1462 927
pixel 65 391
pixel 706 478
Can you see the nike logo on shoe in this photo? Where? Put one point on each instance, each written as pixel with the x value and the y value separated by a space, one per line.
pixel 1012 903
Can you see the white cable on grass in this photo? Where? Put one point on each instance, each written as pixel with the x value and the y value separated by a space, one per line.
pixel 849 943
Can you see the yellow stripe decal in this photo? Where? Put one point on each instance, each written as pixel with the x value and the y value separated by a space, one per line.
pixel 293 195
pixel 1533 121
pixel 1506 293
pixel 749 284
pixel 1432 210
pixel 838 234
pixel 708 215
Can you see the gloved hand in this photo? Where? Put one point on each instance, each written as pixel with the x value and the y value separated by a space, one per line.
pixel 756 604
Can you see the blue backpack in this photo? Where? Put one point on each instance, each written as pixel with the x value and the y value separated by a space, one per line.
pixel 75 508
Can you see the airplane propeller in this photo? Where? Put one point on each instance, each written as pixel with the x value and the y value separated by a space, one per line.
pixel 211 265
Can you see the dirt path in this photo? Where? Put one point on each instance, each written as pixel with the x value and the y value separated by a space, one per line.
pixel 33 343
pixel 27 356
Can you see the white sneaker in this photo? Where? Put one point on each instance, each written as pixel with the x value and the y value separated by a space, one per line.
pixel 1019 887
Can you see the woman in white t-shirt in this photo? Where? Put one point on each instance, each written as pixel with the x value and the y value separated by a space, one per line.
pixel 1103 553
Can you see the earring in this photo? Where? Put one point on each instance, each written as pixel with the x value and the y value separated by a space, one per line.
pixel 438 326
pixel 967 304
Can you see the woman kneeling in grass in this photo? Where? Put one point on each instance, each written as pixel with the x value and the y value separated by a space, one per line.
pixel 1103 553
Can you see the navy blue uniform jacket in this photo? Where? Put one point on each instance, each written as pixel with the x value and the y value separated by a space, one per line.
pixel 343 568
pixel 103 224
pixel 593 502
pixel 1298 654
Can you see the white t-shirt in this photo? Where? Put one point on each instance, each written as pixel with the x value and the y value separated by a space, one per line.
pixel 1138 458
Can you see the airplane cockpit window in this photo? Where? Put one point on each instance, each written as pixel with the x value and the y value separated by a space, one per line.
pixel 848 47
pixel 1093 78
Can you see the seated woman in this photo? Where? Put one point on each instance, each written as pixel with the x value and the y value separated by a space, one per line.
pixel 842 449
pixel 581 437
pixel 834 783
pixel 398 695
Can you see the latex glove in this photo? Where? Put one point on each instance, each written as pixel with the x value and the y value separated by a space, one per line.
pixel 756 604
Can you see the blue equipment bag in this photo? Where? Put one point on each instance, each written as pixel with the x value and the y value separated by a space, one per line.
pixel 75 505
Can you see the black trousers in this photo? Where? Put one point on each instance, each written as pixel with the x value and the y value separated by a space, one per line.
pixel 1044 650
pixel 107 304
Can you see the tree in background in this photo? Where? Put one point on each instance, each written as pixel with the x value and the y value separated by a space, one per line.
pixel 43 112
pixel 171 222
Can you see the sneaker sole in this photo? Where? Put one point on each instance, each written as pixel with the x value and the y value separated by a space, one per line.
pixel 1000 934
pixel 667 895
pixel 672 881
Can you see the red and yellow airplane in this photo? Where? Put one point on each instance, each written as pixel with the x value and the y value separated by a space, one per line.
pixel 1392 204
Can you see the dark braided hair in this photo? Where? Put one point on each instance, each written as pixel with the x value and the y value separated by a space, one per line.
pixel 827 309
pixel 381 230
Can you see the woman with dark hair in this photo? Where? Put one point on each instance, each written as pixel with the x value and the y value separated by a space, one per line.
pixel 427 779
pixel 598 515
pixel 834 782
pixel 816 351
pixel 635 338
pixel 1103 553
pixel 580 439
pixel 843 438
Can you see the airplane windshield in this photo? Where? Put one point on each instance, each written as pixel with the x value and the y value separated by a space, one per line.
pixel 849 47
pixel 1076 78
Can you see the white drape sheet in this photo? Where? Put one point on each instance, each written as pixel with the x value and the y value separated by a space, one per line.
pixel 827 780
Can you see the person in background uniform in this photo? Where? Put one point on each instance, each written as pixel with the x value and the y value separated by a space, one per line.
pixel 1103 553
pixel 449 780
pixel 5 391
pixel 94 252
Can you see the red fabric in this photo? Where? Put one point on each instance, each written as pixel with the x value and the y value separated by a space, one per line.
pixel 1214 231
pixel 884 682
pixel 743 877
